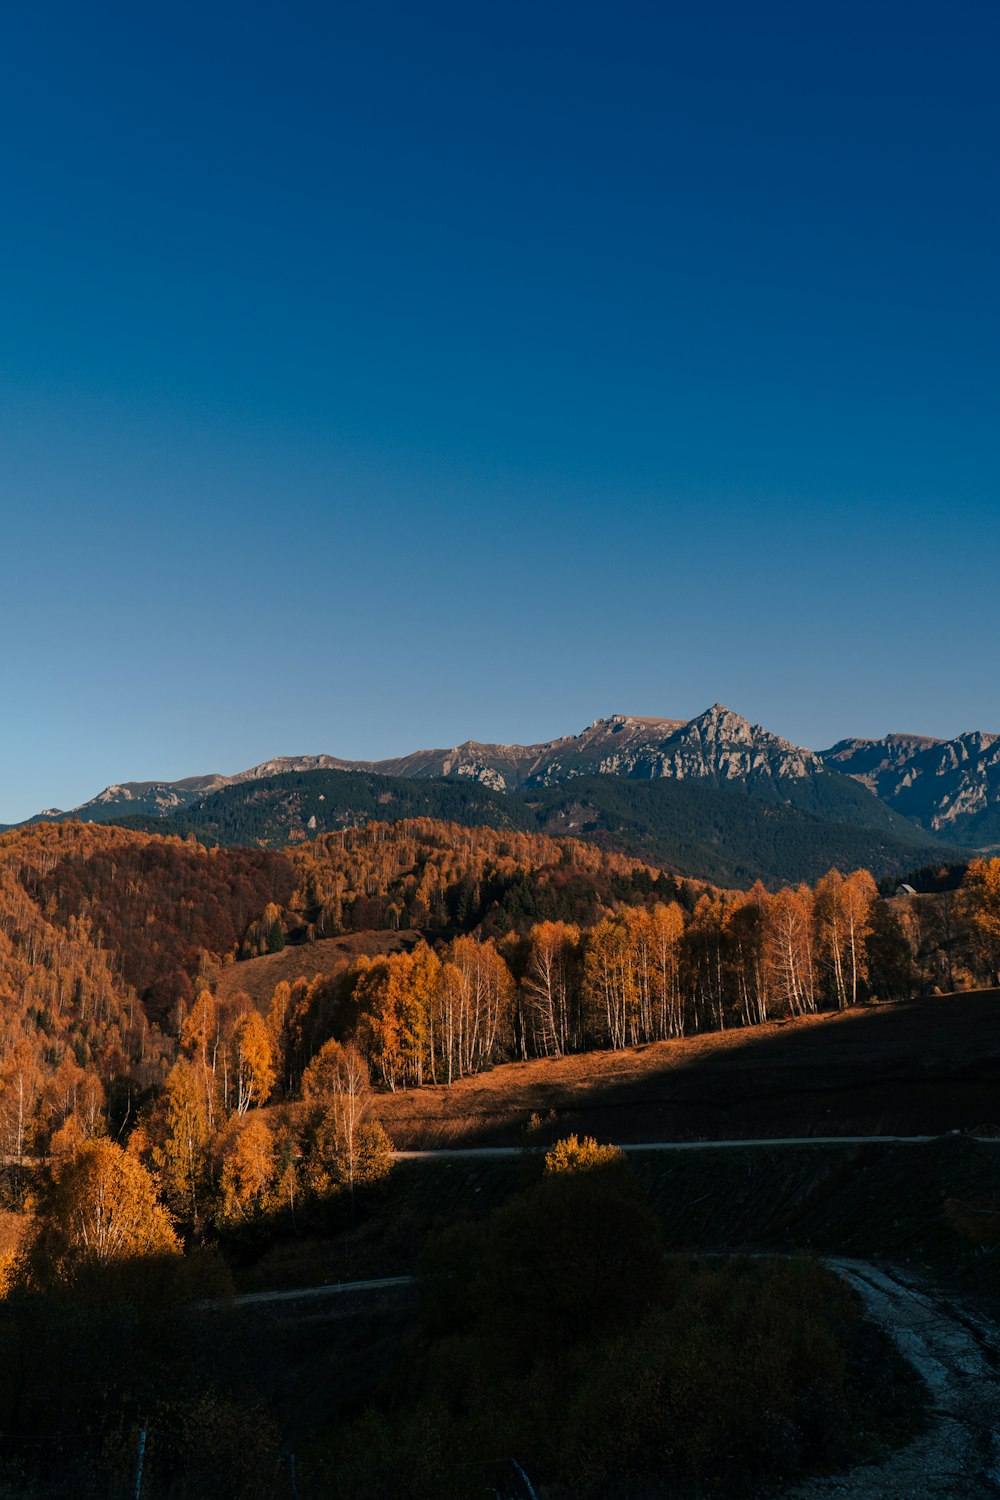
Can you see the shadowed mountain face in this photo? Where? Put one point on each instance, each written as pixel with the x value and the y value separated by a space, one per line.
pixel 951 787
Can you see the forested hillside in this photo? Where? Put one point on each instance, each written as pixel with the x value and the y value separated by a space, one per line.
pixel 279 810
pixel 156 1110
pixel 529 945
pixel 732 835
pixel 108 935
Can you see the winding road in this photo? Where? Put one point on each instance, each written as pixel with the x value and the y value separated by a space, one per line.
pixel 955 1351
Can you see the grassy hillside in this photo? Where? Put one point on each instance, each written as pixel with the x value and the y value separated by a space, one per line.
pixel 258 977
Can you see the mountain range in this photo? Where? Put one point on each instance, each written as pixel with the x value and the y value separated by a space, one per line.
pixel 950 788
pixel 715 796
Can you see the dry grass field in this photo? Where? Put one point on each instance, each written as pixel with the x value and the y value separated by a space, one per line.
pixel 259 976
pixel 919 1067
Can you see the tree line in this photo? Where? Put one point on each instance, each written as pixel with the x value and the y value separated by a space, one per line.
pixel 641 973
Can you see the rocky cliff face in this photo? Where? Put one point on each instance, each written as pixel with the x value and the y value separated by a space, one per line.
pixel 280 765
pixel 719 745
pixel 949 786
pixel 509 767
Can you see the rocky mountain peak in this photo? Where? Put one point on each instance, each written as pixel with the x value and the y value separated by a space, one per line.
pixel 720 727
pixel 948 787
pixel 951 787
pixel 720 722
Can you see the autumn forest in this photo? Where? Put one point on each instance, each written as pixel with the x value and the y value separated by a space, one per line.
pixel 111 944
pixel 157 1112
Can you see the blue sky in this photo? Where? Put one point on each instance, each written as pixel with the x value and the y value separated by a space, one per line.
pixel 386 375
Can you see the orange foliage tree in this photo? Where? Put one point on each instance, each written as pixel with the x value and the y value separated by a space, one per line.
pixel 100 1207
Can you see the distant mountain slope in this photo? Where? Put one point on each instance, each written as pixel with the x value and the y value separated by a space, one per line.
pixel 158 799
pixel 602 748
pixel 280 810
pixel 729 836
pixel 951 787
pixel 719 746
pixel 696 828
pixel 503 767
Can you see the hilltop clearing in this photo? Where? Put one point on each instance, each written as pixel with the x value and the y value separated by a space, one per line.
pixel 259 977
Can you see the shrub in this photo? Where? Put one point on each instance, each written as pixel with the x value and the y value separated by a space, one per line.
pixel 572 1155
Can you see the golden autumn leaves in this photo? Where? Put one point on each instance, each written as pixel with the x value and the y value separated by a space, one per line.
pixel 638 975
pixel 219 1155
pixel 98 1207
pixel 979 909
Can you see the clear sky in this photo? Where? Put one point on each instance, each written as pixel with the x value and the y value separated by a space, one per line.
pixel 382 375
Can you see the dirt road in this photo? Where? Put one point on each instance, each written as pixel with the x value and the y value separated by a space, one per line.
pixel 488 1153
pixel 957 1354
pixel 310 1293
